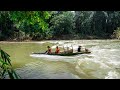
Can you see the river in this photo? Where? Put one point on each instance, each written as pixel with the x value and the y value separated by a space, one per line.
pixel 102 63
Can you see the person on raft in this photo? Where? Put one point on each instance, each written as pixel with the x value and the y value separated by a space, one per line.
pixel 79 48
pixel 86 50
pixel 57 51
pixel 49 50
pixel 68 50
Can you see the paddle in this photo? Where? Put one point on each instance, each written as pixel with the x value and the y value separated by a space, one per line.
pixel 45 52
pixel 72 48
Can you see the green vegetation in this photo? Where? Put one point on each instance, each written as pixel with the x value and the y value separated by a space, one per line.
pixel 6 66
pixel 62 24
pixel 42 25
pixel 116 33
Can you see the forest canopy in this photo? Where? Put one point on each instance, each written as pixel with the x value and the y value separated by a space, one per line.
pixel 42 25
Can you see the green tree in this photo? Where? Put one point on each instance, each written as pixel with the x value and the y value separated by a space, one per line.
pixel 83 21
pixel 36 20
pixel 113 21
pixel 62 24
pixel 99 23
pixel 6 26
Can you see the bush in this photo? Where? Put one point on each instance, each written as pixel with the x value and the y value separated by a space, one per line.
pixel 6 67
pixel 116 33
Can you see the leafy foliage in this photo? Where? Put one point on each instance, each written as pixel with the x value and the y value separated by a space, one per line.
pixel 62 24
pixel 116 33
pixel 21 21
pixel 6 67
pixel 83 21
pixel 30 18
pixel 6 26
pixel 97 23
pixel 38 25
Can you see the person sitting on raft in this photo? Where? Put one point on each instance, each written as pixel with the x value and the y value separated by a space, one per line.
pixel 67 51
pixel 86 50
pixel 49 50
pixel 57 50
pixel 79 48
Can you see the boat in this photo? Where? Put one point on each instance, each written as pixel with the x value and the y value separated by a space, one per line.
pixel 65 54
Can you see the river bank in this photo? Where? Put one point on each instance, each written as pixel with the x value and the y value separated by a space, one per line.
pixel 35 41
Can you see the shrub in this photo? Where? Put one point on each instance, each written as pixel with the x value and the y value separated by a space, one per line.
pixel 6 66
pixel 116 33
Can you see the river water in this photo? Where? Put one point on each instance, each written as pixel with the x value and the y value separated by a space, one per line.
pixel 102 63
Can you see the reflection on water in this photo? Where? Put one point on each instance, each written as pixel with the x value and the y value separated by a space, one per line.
pixel 103 62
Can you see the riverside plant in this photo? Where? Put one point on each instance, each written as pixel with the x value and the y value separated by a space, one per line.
pixel 6 67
